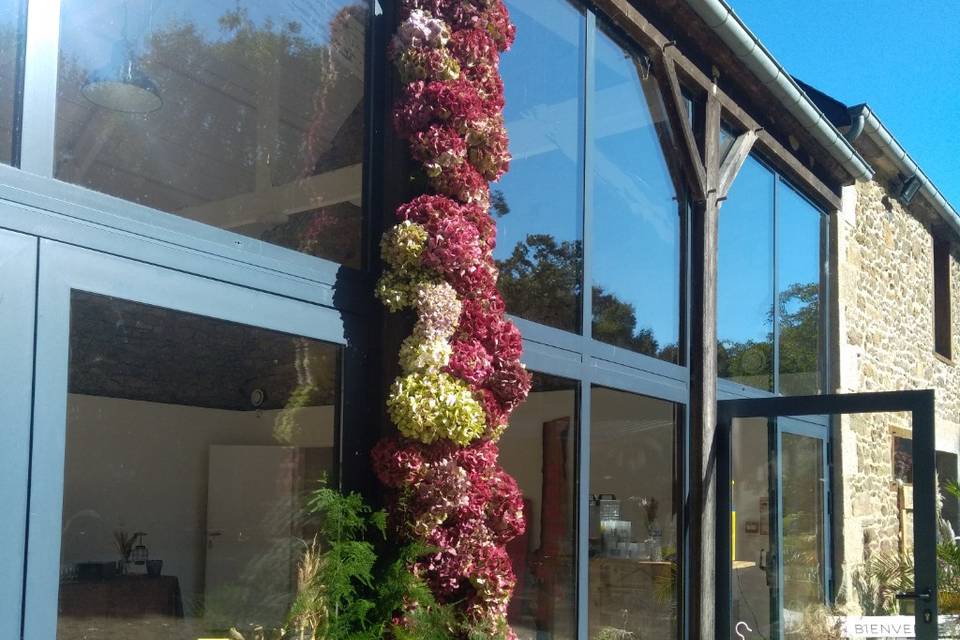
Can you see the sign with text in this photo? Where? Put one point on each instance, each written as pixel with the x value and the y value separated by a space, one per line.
pixel 892 627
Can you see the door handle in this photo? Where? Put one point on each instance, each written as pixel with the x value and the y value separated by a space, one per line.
pixel 913 595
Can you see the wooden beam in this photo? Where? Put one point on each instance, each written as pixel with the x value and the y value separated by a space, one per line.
pixel 676 112
pixel 277 203
pixel 734 162
pixel 648 36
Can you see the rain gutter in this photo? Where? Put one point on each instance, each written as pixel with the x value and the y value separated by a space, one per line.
pixel 748 49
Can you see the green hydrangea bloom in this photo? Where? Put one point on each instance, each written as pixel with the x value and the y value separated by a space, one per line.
pixel 402 246
pixel 419 354
pixel 397 288
pixel 434 406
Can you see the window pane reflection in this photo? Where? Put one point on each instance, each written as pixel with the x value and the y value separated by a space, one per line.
pixel 11 34
pixel 538 202
pixel 539 450
pixel 198 438
pixel 634 566
pixel 798 253
pixel 636 221
pixel 745 279
pixel 243 115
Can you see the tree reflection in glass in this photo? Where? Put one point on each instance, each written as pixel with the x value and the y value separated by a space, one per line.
pixel 261 125
pixel 539 243
pixel 635 248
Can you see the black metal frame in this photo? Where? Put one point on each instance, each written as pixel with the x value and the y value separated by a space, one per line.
pixel 920 404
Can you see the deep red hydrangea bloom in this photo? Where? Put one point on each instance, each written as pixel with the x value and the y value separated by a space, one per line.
pixel 471 362
pixel 456 102
pixel 506 507
pixel 438 147
pixel 472 48
pixel 464 183
pixel 504 342
pixel 478 456
pixel 496 414
pixel 490 16
pixel 493 576
pixel 481 219
pixel 427 209
pixel 510 384
pixel 454 247
pixel 480 317
pixel 396 463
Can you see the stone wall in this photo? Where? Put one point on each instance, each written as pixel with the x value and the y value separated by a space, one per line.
pixel 884 341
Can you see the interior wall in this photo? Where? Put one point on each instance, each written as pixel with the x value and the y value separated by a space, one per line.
pixel 632 441
pixel 143 466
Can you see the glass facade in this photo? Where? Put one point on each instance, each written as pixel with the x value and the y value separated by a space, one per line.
pixel 254 118
pixel 770 285
pixel 216 123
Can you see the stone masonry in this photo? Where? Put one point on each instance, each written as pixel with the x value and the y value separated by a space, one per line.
pixel 883 340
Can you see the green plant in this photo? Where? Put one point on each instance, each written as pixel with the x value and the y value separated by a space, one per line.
pixel 345 591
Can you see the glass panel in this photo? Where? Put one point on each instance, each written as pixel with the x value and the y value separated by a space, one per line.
pixel 634 566
pixel 803 478
pixel 798 253
pixel 745 279
pixel 754 582
pixel 946 477
pixel 11 36
pixel 636 218
pixel 190 443
pixel 539 450
pixel 727 138
pixel 246 115
pixel 539 201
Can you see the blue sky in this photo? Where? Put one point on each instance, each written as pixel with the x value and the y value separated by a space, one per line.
pixel 901 58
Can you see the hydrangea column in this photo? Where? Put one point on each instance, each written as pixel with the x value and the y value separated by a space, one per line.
pixel 462 374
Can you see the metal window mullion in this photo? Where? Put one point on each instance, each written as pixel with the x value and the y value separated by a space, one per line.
pixel 776 284
pixel 777 470
pixel 583 503
pixel 826 479
pixel 583 507
pixel 587 177
pixel 40 86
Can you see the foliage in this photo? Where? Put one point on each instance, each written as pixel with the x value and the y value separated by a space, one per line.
pixel 344 592
pixel 541 281
pixel 751 361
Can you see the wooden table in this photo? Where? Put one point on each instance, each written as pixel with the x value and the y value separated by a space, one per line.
pixel 122 597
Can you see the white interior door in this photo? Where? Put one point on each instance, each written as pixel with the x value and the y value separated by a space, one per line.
pixel 251 502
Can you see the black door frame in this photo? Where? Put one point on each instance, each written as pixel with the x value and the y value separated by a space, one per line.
pixel 920 404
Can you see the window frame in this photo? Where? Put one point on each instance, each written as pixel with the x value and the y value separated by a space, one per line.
pixel 942 299
pixel 64 268
pixel 33 182
pixel 781 181
pixel 589 362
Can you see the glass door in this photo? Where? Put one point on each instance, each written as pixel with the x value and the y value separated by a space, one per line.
pixel 775 552
pixel 779 495
pixel 179 425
